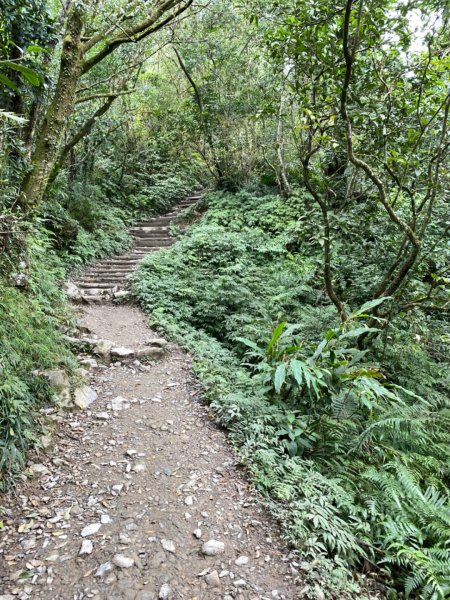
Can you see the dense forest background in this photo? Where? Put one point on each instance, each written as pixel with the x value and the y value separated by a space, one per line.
pixel 312 287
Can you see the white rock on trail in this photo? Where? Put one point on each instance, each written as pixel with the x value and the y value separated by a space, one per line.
pixel 84 396
pixel 91 529
pixel 39 469
pixel 213 548
pixel 212 579
pixel 168 545
pixel 166 592
pixel 119 352
pixel 241 561
pixel 119 403
pixel 124 562
pixel 86 547
pixel 103 569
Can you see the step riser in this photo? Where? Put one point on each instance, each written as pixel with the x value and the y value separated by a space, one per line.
pixel 152 243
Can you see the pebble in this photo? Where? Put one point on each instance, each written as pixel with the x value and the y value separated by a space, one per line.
pixel 198 533
pixel 39 469
pixel 91 529
pixel 124 562
pixel 168 545
pixel 102 416
pixel 213 548
pixel 86 547
pixel 241 561
pixel 166 592
pixel 189 500
pixel 212 579
pixel 119 403
pixel 105 519
pixel 28 543
pixel 103 569
pixel 139 468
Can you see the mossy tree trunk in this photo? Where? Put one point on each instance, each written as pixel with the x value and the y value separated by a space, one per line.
pixel 48 142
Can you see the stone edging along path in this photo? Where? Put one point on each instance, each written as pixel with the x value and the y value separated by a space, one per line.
pixel 138 495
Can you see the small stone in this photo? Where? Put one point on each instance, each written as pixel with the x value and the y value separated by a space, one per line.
pixel 91 529
pixel 84 396
pixel 150 353
pixel 139 468
pixel 160 342
pixel 8 597
pixel 86 547
pixel 189 500
pixel 39 469
pixel 105 519
pixel 116 489
pixel 103 569
pixel 166 592
pixel 124 562
pixel 90 363
pixel 212 579
pixel 119 403
pixel 28 543
pixel 241 561
pixel 102 416
pixel 198 533
pixel 240 583
pixel 168 545
pixel 76 510
pixel 213 548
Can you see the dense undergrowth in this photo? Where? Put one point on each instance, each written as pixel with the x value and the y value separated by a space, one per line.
pixel 350 447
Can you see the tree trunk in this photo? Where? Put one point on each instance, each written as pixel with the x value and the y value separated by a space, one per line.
pixel 48 143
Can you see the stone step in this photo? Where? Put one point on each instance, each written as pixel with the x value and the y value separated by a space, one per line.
pixel 150 234
pixel 152 242
pixel 98 286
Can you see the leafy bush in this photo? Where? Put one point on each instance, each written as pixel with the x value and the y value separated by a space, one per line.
pixel 30 340
pixel 350 447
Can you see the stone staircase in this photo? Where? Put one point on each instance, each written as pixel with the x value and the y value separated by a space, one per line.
pixel 108 278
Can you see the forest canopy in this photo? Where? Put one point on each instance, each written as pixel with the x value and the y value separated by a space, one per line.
pixel 312 286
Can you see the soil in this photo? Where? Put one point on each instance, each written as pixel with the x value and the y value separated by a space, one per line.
pixel 155 480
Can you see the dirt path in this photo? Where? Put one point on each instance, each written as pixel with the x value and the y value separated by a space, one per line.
pixel 141 491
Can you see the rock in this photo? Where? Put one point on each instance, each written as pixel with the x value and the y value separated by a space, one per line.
pixel 189 500
pixel 91 529
pixel 124 562
pixel 8 597
pixel 57 378
pixel 168 545
pixel 213 548
pixel 86 548
pixel 72 291
pixel 119 403
pixel 120 352
pixel 28 543
pixel 103 349
pixel 139 468
pixel 102 416
pixel 38 469
pixel 166 592
pixel 80 372
pixel 212 579
pixel 151 353
pixel 198 533
pixel 90 363
pixel 159 342
pixel 103 569
pixel 84 396
pixel 121 295
pixel 240 583
pixel 124 538
pixel 76 509
pixel 106 519
pixel 241 561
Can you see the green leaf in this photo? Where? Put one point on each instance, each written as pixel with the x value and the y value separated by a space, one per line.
pixel 280 377
pixel 275 336
pixel 248 343
pixel 365 308
pixel 357 332
pixel 297 371
pixel 30 75
pixel 7 81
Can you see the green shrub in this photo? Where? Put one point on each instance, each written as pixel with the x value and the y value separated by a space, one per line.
pixel 350 448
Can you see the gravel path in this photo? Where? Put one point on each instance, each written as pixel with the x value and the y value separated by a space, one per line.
pixel 140 498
